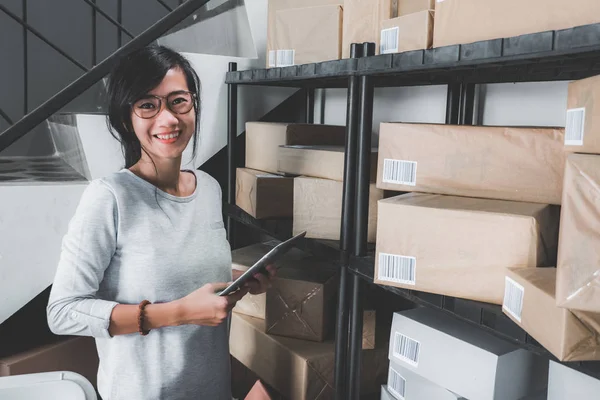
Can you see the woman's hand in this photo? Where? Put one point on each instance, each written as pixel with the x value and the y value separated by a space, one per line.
pixel 260 283
pixel 204 307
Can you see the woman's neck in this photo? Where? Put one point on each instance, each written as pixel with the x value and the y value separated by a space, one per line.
pixel 165 175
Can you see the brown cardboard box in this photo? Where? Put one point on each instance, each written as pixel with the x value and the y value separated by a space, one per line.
pixel 298 369
pixel 244 258
pixel 301 302
pixel 308 35
pixel 467 21
pixel 406 33
pixel 264 195
pixel 318 208
pixel 361 21
pixel 579 245
pixel 530 301
pixel 75 354
pixel 521 164
pixel 582 133
pixel 460 246
pixel 325 162
pixel 406 7
pixel 264 138
pixel 278 5
pixel 369 329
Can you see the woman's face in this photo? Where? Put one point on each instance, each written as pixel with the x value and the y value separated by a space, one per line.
pixel 165 135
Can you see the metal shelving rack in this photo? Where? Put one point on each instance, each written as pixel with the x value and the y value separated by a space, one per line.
pixel 546 56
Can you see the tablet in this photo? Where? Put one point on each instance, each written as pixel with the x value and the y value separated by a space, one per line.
pixel 261 265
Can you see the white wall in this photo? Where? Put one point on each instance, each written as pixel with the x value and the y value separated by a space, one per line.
pixel 526 104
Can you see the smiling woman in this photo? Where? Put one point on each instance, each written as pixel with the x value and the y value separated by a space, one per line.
pixel 146 250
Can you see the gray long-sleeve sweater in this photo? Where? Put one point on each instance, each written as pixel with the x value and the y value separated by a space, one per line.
pixel 130 241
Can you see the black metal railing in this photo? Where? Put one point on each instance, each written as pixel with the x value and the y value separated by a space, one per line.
pixel 90 76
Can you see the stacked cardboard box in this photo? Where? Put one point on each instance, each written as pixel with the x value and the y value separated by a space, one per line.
pixel 412 29
pixel 77 354
pixel 284 335
pixel 261 190
pixel 435 356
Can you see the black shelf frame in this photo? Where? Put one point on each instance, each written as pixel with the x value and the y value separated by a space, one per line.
pixel 546 56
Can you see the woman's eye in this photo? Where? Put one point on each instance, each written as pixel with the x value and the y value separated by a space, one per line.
pixel 146 106
pixel 179 100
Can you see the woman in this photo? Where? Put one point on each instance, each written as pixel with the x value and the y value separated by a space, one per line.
pixel 151 233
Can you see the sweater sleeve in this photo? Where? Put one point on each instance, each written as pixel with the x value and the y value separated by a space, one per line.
pixel 87 249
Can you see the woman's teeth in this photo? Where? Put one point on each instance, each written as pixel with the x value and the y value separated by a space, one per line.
pixel 169 136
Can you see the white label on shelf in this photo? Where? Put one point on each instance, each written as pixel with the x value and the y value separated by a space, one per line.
pixel 574 127
pixel 272 58
pixel 286 58
pixel 396 384
pixel 513 298
pixel 400 172
pixel 406 349
pixel 395 268
pixel 389 41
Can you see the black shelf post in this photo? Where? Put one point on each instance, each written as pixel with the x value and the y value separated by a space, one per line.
pixel 346 231
pixel 361 218
pixel 467 104
pixel 310 105
pixel 453 103
pixel 232 104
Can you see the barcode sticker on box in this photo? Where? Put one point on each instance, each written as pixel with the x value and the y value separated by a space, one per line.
pixel 574 127
pixel 406 349
pixel 513 298
pixel 395 268
pixel 396 384
pixel 389 41
pixel 400 172
pixel 272 58
pixel 285 58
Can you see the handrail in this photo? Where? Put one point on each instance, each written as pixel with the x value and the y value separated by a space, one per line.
pixel 87 80
pixel 109 18
pixel 41 37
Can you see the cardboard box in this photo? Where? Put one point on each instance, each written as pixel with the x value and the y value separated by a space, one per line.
pixel 325 162
pixel 385 394
pixel 406 384
pixel 467 21
pixel 521 164
pixel 362 19
pixel 298 369
pixel 308 35
pixel 264 138
pixel 466 361
pixel 406 33
pixel 582 132
pixel 565 383
pixel 318 208
pixel 406 7
pixel 579 244
pixel 301 302
pixel 278 5
pixel 244 258
pixel 264 195
pixel 460 246
pixel 529 300
pixel 75 354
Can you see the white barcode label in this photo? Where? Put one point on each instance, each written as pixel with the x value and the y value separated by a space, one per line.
pixel 285 58
pixel 396 384
pixel 272 58
pixel 389 41
pixel 574 127
pixel 513 298
pixel 406 349
pixel 395 268
pixel 400 172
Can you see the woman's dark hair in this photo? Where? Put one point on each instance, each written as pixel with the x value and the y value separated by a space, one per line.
pixel 131 79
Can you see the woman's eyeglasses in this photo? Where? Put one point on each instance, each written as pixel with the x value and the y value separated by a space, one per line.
pixel 149 106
